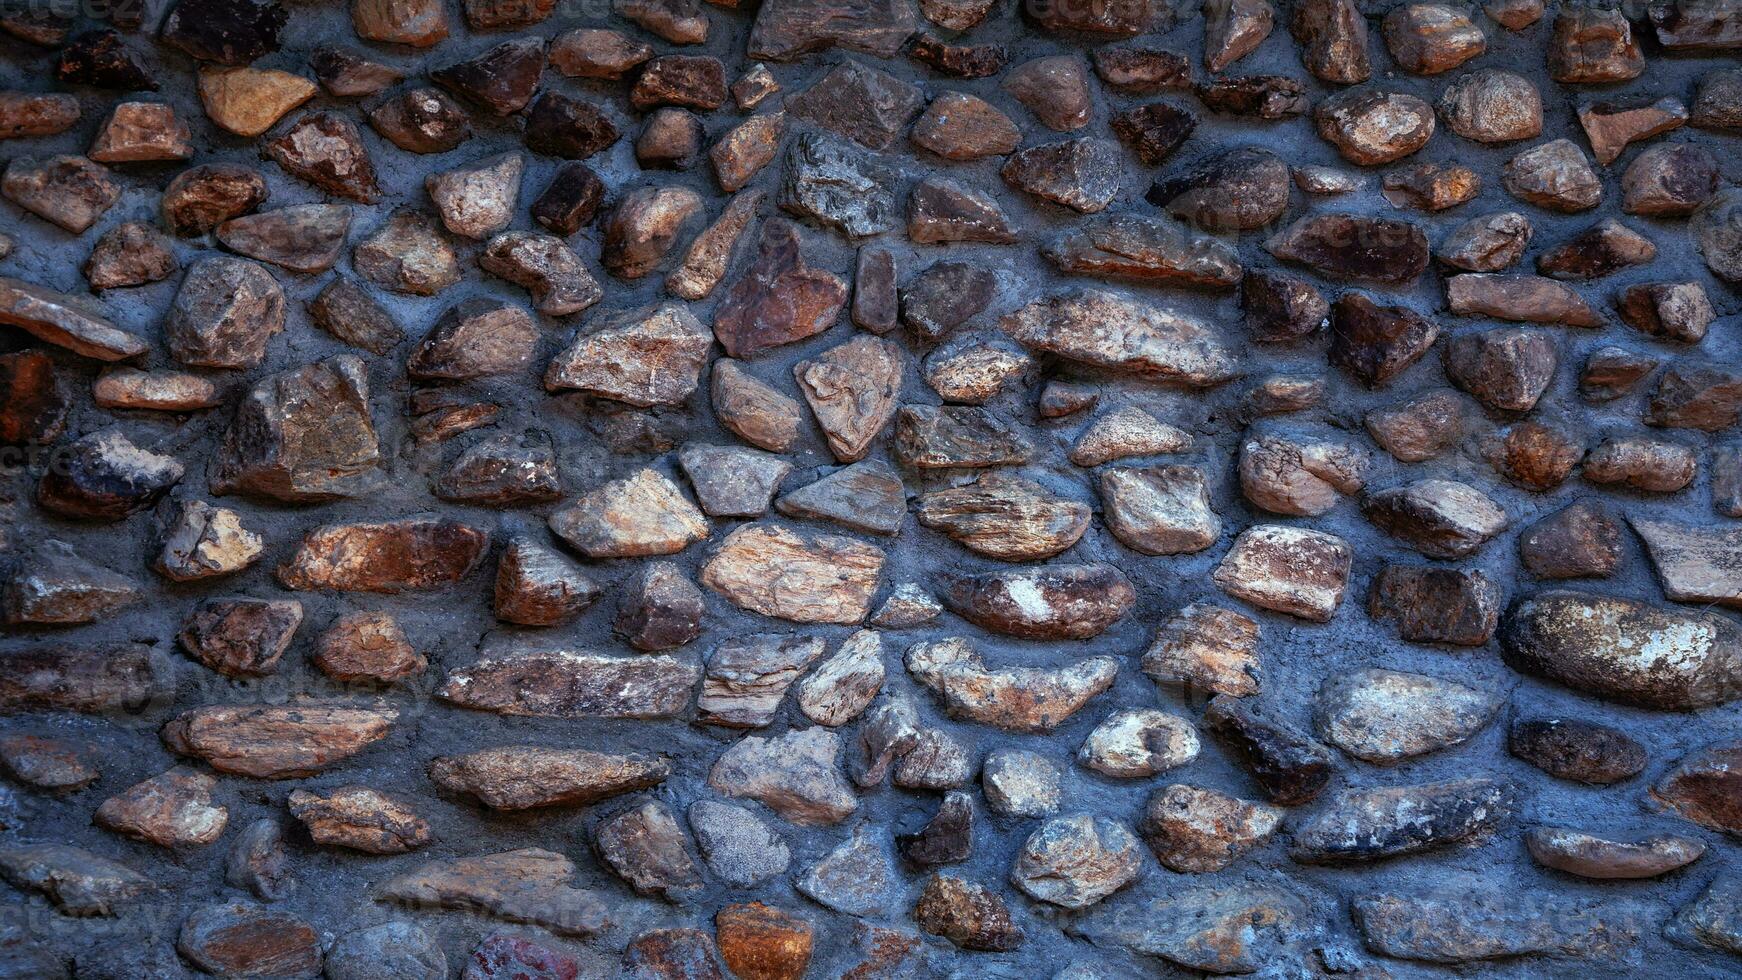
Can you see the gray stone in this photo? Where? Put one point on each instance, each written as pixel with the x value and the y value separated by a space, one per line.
pixel 1076 861
pixel 739 847
pixel 1361 825
pixel 1387 716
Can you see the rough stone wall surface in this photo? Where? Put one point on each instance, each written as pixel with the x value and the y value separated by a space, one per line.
pixel 1308 607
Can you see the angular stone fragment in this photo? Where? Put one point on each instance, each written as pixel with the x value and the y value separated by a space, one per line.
pixel 1195 831
pixel 763 942
pixel 1292 570
pixel 1694 563
pixel 68 191
pixel 1699 395
pixel 1260 96
pixel 1373 824
pixel 780 300
pixel 47 763
pixel 1555 176
pixel 906 607
pixel 1589 856
pixel 1151 250
pixel 546 267
pixel 243 940
pixel 241 637
pixel 529 885
pixel 1491 105
pixel 1581 541
pixel 1611 126
pixel 1439 518
pixel 1006 517
pixel 1674 310
pixel 1432 186
pixel 1346 246
pixel 502 470
pixel 1141 70
pixel 639 515
pixel 959 126
pixel 408 255
pixel 301 435
pixel 1611 372
pixel 1669 181
pixel 804 578
pixel 1602 249
pixel 347 73
pixel 130 254
pixel 960 60
pixel 745 149
pixel 952 437
pixel 1298 473
pixel 422 120
pixel 1159 510
pixel 1239 189
pixel 739 847
pixel 1149 342
pixel 250 101
pixel 1061 601
pixel 535 586
pixel 560 126
pixel 1280 308
pixel 1018 699
pixel 1081 174
pixel 366 647
pixel 228 32
pixel 1235 929
pixel 942 211
pixel 1332 35
pixel 1429 38
pixel 967 914
pixel 1488 243
pixel 77 882
pixel 105 477
pixel 172 809
pixel 1076 861
pixel 846 683
pixel 1593 45
pixel 1369 126
pixel 1234 29
pixel 1709 920
pixel 1507 369
pixel 141 132
pixel 1652 465
pixel 753 411
pixel 52 585
pixel 361 819
pixel 1703 788
pixel 975 374
pixel 855 878
pixel 645 847
pixel 644 226
pixel 643 358
pixel 1465 925
pixel 797 775
pixel 569 684
pixel 501 79
pixel 694 82
pixel 731 481
pixel 303 238
pixel 1055 89
pixel 710 253
pixel 1320 179
pixel 747 678
pixel 1288 767
pixel 1204 646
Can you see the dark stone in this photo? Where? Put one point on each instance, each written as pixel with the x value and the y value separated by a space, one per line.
pixel 1706 787
pixel 1289 768
pixel 1611 372
pixel 691 81
pixel 1280 308
pixel 1153 131
pixel 780 299
pixel 1268 97
pixel 863 104
pixel 959 60
pixel 1081 174
pixel 1353 247
pixel 1699 395
pixel 945 296
pixel 33 401
pixel 570 200
pixel 1374 824
pixel 560 126
pixel 101 59
pixel 422 120
pixel 1581 541
pixel 1377 343
pixel 1582 751
pixel 1049 602
pixel 105 477
pixel 229 32
pixel 945 839
pixel 501 79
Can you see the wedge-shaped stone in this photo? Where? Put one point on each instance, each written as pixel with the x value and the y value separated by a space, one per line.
pixel 1524 299
pixel 391 556
pixel 1626 650
pixel 1359 825
pixel 867 496
pixel 69 191
pixel 1106 330
pixel 525 777
pixel 863 104
pixel 780 299
pixel 1292 570
pixel 852 390
pixel 529 886
pixel 248 101
pixel 573 684
pixel 1005 516
pixel 73 322
pixel 805 578
pixel 1049 602
pixel 1386 716
pixel 1699 563
pixel 273 742
pixel 1125 432
pixel 648 357
pixel 1205 646
pixel 1034 700
pixel 302 435
pixel 1158 251
pixel 642 514
pixel 1439 518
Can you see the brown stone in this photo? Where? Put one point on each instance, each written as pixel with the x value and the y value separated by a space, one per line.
pixel 523 777
pixel 1234 29
pixel 1579 541
pixel 569 684
pixel 762 943
pixel 959 60
pixel 1332 35
pixel 1430 38
pixel 1370 126
pixel 130 254
pixel 1702 788
pixel 745 149
pixel 959 126
pixel 105 477
pixel 241 637
pixel 1194 831
pixel 1267 97
pixel 1669 181
pixel 558 281
pixel 1678 311
pixel 1377 343
pixel 68 191
pixel 1651 465
pixel 1491 105
pixel 1205 646
pixel 780 299
pixel 1535 456
pixel 1439 518
pixel 529 885
pixel 33 399
pixel 142 132
pixel 1488 243
pixel 967 914
pixel 266 742
pixel 751 410
pixel 596 53
pixel 304 238
pixel 694 82
pixel 408 255
pixel 710 253
pixel 801 577
pixel 302 435
pixel 246 940
pixel 1525 299
pixel 1507 368
pixel 1611 126
pixel 361 819
pixel 1593 45
pixel 852 392
pixel 670 140
pixel 347 73
pixel 1553 176
pixel 1352 247
pixel 249 101
pixel 1292 570
pixel 173 809
pixel 201 198
pixel 1432 186
pixel 788 29
pixel 644 226
pixel 24 115
pixel 942 210
pixel 422 120
pixel 392 556
pixel 367 646
pixel 416 23
pixel 642 514
pixel 502 79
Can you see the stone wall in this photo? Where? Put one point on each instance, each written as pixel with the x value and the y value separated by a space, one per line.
pixel 842 489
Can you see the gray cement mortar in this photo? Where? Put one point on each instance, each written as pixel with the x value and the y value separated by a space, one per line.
pixel 450 625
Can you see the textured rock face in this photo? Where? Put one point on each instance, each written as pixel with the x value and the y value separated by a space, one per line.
pixel 914 454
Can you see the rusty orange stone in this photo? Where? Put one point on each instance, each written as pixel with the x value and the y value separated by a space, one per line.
pixel 763 943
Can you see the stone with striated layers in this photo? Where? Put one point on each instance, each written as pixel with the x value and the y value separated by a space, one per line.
pixel 797 576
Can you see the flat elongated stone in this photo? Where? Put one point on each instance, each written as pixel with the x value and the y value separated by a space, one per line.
pixel 172 809
pixel 24 115
pixel 804 578
pixel 747 678
pixel 1590 856
pixel 1625 650
pixel 559 282
pixel 1019 699
pixel 640 515
pixel 526 777
pixel 69 191
pixel 572 684
pixel 1386 716
pixel 74 323
pixel 105 477
pixel 267 742
pixel 1222 930
pixel 1695 563
pixel 92 679
pixel 710 253
pixel 393 556
pixel 52 585
pixel 745 149
pixel 1051 602
pixel 1151 250
pixel 1470 925
pixel 942 210
pixel 304 238
pixel 48 763
pixel 1124 433
pixel 1149 342
pixel 956 437
pixel 1439 518
pixel 529 885
pixel 788 29
pixel 1374 824
pixel 361 819
pixel 76 881
pixel 1293 570
pixel 1352 247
